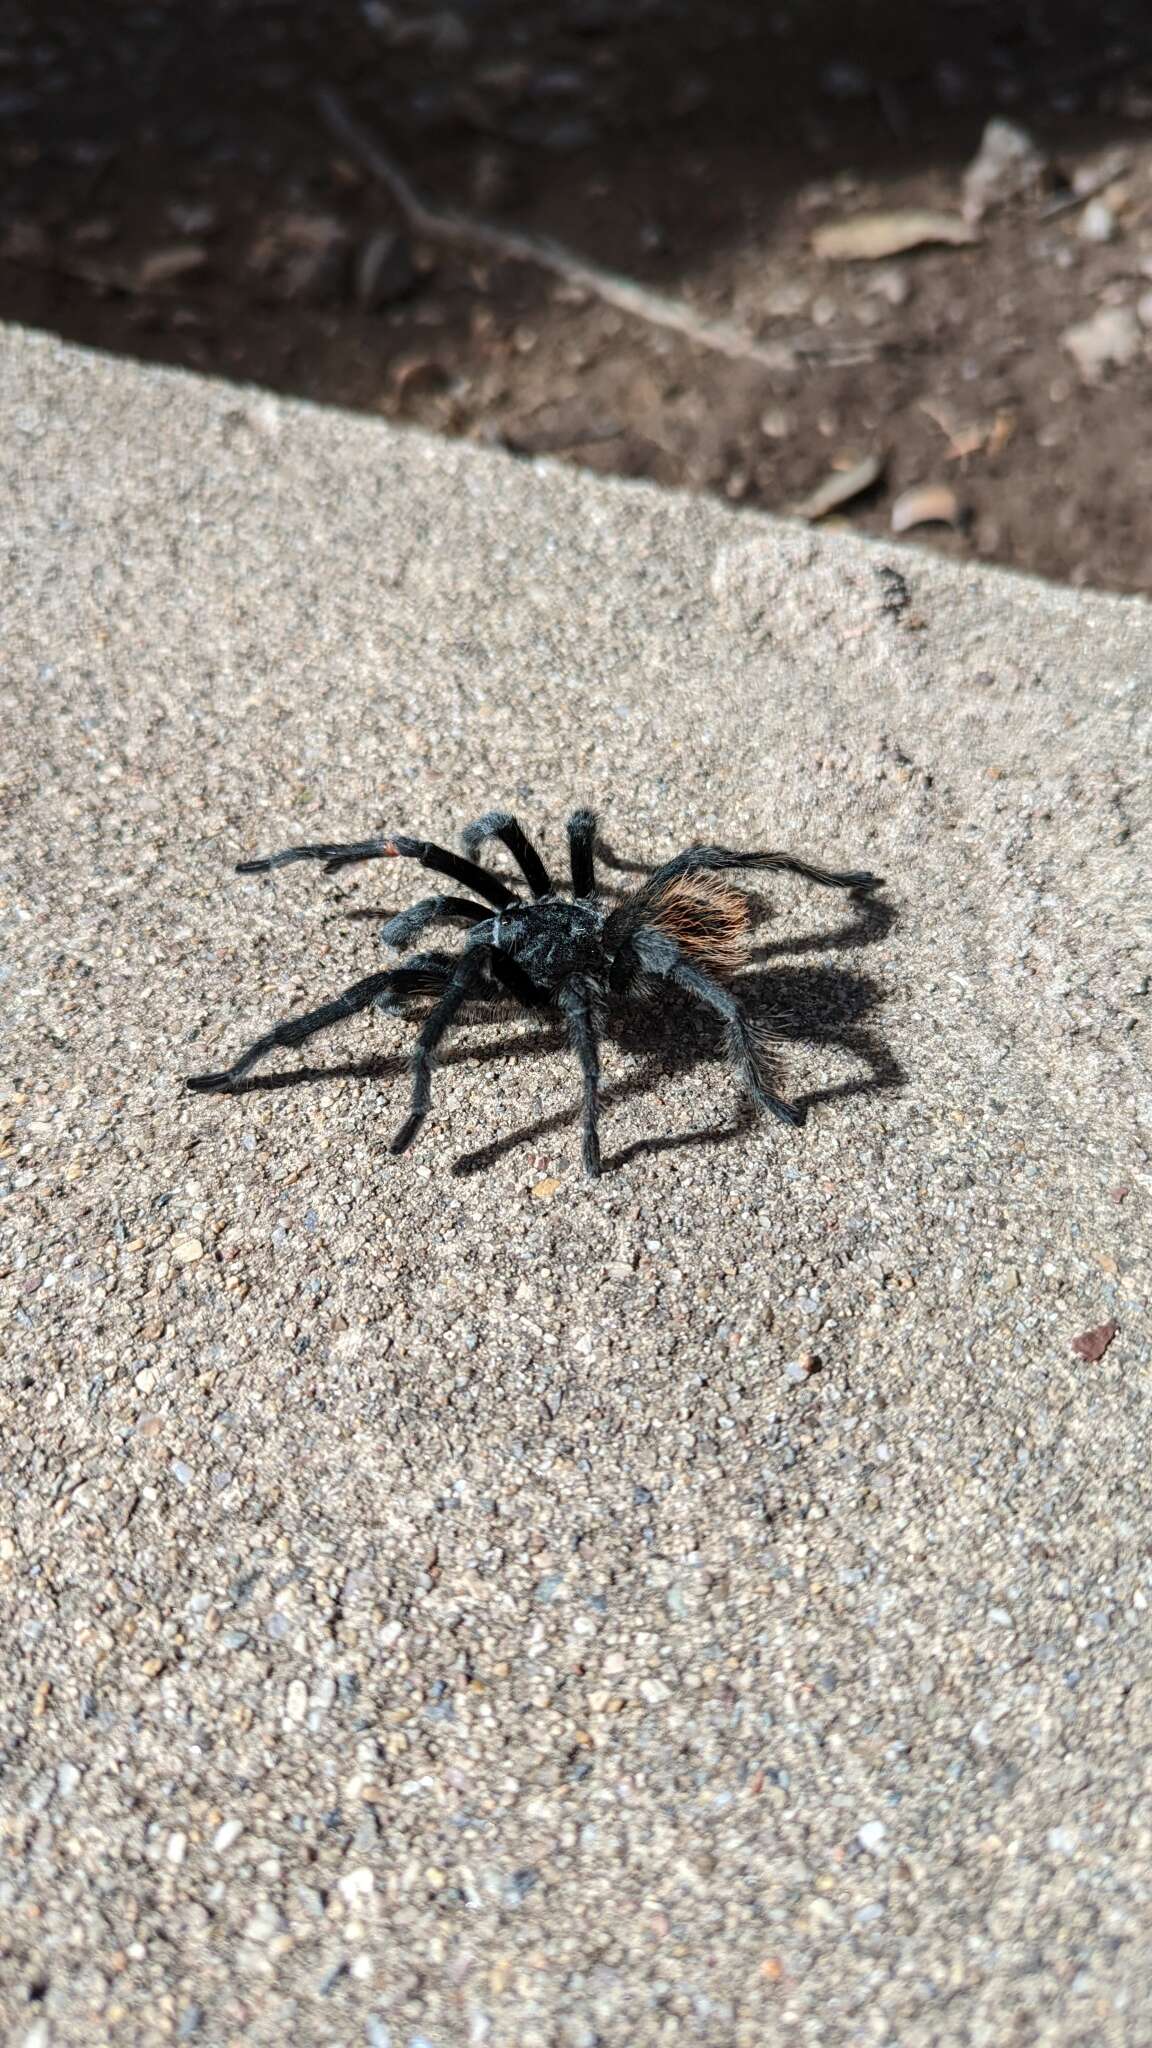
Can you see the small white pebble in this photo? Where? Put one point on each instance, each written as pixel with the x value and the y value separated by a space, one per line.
pixel 68 1777
pixel 177 1848
pixel 1097 222
pixel 871 1835
pixel 265 1922
pixel 1064 1841
pixel 296 1701
pixel 228 1832
pixel 187 1250
pixel 356 1885
pixel 654 1691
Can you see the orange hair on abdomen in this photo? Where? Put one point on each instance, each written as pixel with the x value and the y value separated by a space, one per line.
pixel 708 919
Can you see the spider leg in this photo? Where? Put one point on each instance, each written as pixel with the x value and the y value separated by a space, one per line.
pixel 502 825
pixel 469 970
pixel 575 999
pixel 581 849
pixel 711 857
pixel 743 1052
pixel 490 887
pixel 513 978
pixel 389 988
pixel 407 924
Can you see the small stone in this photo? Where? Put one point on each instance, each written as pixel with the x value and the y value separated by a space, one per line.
pixel 1109 339
pixel 356 1885
pixel 191 2021
pixel 187 1250
pixel 655 1691
pixel 1006 165
pixel 1097 222
pixel 377 2032
pixel 296 1700
pixel 228 1832
pixel 800 1369
pixel 68 1777
pixel 1064 1841
pixel 871 1835
pixel 177 1848
pixel 264 1923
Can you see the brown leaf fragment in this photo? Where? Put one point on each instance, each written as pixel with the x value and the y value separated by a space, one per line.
pixel 842 485
pixel 164 266
pixel 868 236
pixel 925 505
pixel 1094 1343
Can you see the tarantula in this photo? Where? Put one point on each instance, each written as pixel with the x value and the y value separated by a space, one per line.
pixel 683 925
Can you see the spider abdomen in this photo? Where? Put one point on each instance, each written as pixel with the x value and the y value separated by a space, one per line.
pixel 707 919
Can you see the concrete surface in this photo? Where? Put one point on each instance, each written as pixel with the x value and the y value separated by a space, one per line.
pixel 441 1604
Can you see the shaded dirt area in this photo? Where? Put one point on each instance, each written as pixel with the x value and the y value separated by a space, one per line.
pixel 174 191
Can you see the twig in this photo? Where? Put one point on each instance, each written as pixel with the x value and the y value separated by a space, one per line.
pixel 514 246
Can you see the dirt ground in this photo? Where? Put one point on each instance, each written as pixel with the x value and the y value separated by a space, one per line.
pixel 174 189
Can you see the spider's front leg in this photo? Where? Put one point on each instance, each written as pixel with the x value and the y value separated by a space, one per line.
pixel 425 975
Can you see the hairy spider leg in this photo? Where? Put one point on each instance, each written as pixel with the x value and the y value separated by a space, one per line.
pixel 489 886
pixel 407 924
pixel 423 976
pixel 582 851
pixel 719 857
pixel 742 1050
pixel 575 999
pixel 517 982
pixel 469 970
pixel 502 825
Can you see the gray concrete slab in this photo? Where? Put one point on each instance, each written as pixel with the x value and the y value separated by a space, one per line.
pixel 440 1604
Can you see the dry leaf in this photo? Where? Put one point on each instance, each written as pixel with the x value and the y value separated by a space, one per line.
pixel 168 264
pixel 872 235
pixel 1003 428
pixel 842 485
pixel 1094 1343
pixel 544 1190
pixel 925 505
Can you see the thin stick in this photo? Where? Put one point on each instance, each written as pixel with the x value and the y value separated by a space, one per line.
pixel 511 245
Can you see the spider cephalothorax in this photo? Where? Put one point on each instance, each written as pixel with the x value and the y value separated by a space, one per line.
pixel 685 925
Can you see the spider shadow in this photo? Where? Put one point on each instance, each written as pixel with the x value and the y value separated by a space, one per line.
pixel 811 1006
pixel 390 1066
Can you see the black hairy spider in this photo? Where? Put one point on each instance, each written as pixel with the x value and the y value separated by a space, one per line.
pixel 683 925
